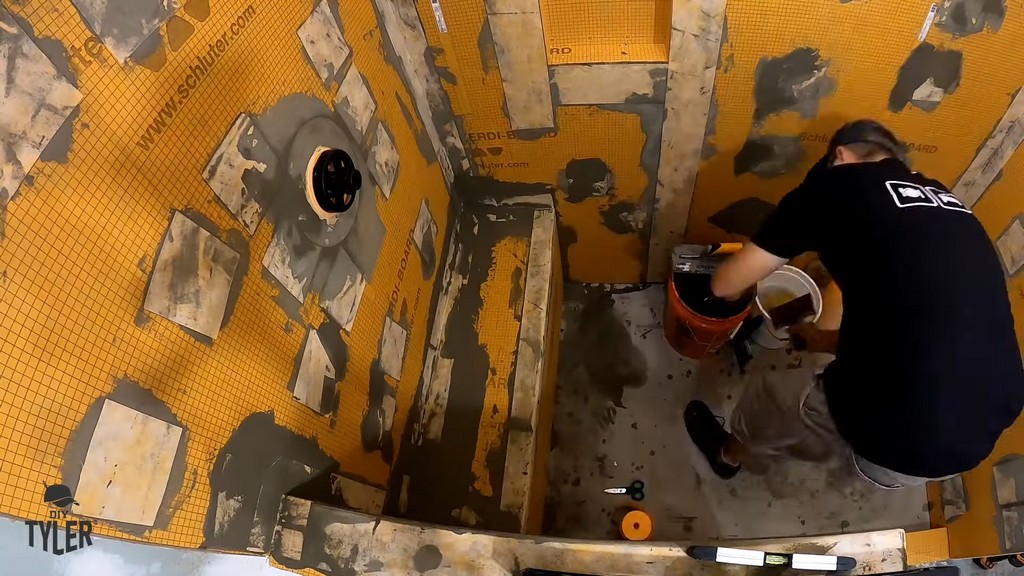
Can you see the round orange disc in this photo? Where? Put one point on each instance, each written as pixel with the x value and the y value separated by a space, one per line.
pixel 636 525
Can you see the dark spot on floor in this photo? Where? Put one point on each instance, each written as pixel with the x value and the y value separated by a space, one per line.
pixel 427 558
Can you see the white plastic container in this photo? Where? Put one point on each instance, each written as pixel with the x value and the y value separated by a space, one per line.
pixel 780 287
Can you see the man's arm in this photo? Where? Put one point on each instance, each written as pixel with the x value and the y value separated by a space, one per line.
pixel 742 270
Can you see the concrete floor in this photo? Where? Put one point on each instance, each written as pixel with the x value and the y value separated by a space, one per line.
pixel 618 418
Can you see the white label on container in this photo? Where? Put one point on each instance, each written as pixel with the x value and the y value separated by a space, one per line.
pixel 928 22
pixel 439 15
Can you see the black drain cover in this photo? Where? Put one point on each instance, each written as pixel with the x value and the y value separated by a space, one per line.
pixel 336 181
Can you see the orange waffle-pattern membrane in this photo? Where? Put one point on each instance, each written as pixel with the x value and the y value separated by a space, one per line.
pixel 596 31
pixel 81 241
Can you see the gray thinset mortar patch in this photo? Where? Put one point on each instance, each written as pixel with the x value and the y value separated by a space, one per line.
pixel 401 466
pixel 652 121
pixel 437 98
pixel 966 17
pixel 423 143
pixel 485 45
pixel 128 393
pixel 743 217
pixel 125 22
pixel 768 156
pixel 243 468
pixel 618 217
pixel 709 149
pixel 586 178
pixel 441 474
pixel 926 62
pixel 151 54
pixel 295 125
pixel 797 81
pixel 372 432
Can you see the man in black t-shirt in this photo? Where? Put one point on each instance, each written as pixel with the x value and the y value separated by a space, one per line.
pixel 927 371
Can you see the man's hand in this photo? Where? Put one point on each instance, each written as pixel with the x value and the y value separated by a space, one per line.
pixel 813 339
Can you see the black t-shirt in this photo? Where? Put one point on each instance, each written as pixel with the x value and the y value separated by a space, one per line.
pixel 928 372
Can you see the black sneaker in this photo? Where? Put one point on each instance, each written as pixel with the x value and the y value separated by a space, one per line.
pixel 708 433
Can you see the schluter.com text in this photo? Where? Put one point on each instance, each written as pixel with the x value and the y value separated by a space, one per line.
pixel 197 72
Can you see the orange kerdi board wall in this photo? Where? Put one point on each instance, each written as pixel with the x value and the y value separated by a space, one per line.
pixel 84 241
pixel 979 531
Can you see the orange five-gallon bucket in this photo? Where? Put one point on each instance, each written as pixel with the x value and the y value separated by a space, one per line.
pixel 696 325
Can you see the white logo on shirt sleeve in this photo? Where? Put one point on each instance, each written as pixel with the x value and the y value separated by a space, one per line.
pixel 907 194
pixel 947 200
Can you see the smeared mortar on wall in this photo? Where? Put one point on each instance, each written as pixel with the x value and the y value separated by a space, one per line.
pixel 638 217
pixel 131 394
pixel 329 334
pixel 743 217
pixel 797 81
pixel 768 156
pixel 123 26
pixel 440 472
pixel 261 462
pixel 422 138
pixel 405 49
pixel 485 46
pixel 928 74
pixel 966 17
pixel 586 178
pixel 374 434
pixel 151 54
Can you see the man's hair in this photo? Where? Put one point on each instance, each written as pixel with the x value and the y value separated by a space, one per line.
pixel 867 139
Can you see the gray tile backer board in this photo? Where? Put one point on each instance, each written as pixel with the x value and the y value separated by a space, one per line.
pixel 424 234
pixel 518 36
pixel 392 348
pixel 239 169
pixel 124 476
pixel 355 104
pixel 383 159
pixel 324 44
pixel 192 277
pixel 123 25
pixel 1010 246
pixel 1013 527
pixel 343 291
pixel 315 374
pixel 37 100
pixel 1008 477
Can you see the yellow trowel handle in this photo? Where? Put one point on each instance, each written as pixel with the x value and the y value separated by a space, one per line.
pixel 725 248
